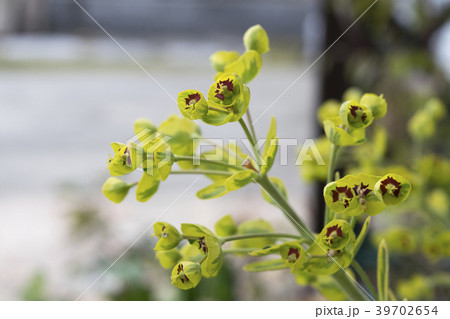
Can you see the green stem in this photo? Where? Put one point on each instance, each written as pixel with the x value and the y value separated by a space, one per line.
pixel 177 158
pixel 250 122
pixel 348 286
pixel 201 171
pixel 239 250
pixel 265 235
pixel 364 278
pixel 259 159
pixel 330 176
pixel 342 279
pixel 352 222
pixel 298 223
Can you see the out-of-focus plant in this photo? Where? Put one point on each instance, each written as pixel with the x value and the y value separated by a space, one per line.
pixel 193 251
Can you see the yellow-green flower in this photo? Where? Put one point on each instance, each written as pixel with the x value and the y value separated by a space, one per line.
pixel 186 275
pixel 169 237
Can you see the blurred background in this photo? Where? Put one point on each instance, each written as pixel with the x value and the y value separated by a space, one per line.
pixel 67 90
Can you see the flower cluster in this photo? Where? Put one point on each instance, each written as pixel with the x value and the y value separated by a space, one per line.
pixel 355 195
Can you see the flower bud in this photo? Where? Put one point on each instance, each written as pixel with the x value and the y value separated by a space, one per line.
pixel 336 235
pixel 376 104
pixel 435 108
pixel 186 275
pixel 421 126
pixel 168 258
pixel 192 104
pixel 115 189
pixel 355 115
pixel 126 158
pixel 225 226
pixel 255 38
pixel 221 58
pixel 392 189
pixel 168 236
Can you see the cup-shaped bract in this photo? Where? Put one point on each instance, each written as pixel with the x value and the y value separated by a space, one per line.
pixel 168 258
pixel 192 104
pixel 294 255
pixel 186 275
pixel 339 196
pixel 228 100
pixel 208 244
pixel 220 59
pixel 255 38
pixel 376 104
pixel 168 236
pixel 336 235
pixel 115 189
pixel 392 189
pixel 355 115
pixel 126 158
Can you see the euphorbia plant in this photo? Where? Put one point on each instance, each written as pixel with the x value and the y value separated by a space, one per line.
pixel 323 259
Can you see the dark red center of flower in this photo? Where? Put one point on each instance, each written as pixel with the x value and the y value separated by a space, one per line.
pixel 390 184
pixel 221 85
pixel 336 229
pixel 181 273
pixel 202 245
pixel 354 108
pixel 362 190
pixel 293 253
pixel 340 192
pixel 126 157
pixel 192 99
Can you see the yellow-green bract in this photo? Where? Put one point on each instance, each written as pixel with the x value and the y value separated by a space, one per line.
pixel 115 189
pixel 168 236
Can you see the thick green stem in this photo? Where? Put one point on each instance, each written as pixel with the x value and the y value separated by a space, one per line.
pixel 348 286
pixel 330 176
pixel 343 280
pixel 201 172
pixel 298 223
pixel 264 235
pixel 259 159
pixel 364 278
pixel 206 161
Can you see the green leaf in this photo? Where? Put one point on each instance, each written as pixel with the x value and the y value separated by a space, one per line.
pixel 255 38
pixel 383 272
pixel 146 188
pixel 271 249
pixel 266 265
pixel 271 134
pixel 257 226
pixel 183 132
pixel 214 190
pixel 278 183
pixel 240 179
pixel 269 158
pixel 247 66
pixel 362 235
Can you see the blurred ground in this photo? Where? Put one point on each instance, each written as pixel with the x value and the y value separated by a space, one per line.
pixel 64 99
